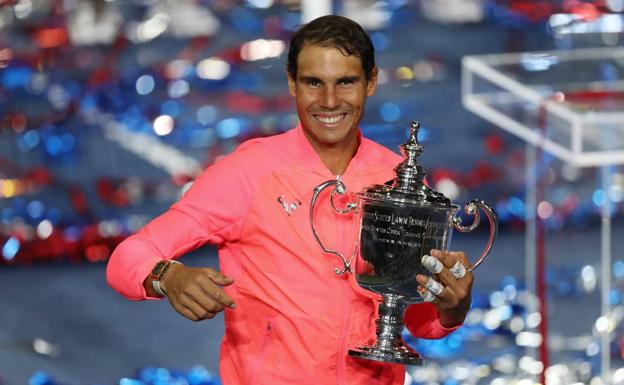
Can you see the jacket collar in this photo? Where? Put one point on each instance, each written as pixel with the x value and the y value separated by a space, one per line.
pixel 311 161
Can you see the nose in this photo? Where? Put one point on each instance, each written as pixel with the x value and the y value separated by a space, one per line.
pixel 328 98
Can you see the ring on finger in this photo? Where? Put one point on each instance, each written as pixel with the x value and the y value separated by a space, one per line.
pixel 434 287
pixel 458 270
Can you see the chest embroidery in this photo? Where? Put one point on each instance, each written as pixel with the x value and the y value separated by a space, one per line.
pixel 289 207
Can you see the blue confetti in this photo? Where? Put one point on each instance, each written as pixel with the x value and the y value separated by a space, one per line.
pixel 390 112
pixel 10 248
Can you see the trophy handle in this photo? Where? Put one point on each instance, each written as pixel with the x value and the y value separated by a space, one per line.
pixel 341 189
pixel 472 208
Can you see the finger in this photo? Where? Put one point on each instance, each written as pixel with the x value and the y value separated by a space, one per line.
pixel 188 307
pixel 206 300
pixel 212 291
pixel 220 295
pixel 448 258
pixel 219 278
pixel 447 298
pixel 427 296
pixel 434 286
pixel 458 270
pixel 197 309
pixel 185 312
pixel 456 291
pixel 432 264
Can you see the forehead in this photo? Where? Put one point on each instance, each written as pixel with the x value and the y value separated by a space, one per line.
pixel 327 62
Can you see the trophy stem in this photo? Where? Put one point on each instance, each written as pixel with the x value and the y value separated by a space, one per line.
pixel 390 346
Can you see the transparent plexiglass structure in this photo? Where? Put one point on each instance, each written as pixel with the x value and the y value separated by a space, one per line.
pixel 569 104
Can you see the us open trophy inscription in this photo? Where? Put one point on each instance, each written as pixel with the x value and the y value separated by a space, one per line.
pixel 400 222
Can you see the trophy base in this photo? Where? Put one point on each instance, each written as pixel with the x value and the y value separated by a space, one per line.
pixel 398 355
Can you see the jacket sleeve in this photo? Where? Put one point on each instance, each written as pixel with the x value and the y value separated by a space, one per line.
pixel 423 322
pixel 211 211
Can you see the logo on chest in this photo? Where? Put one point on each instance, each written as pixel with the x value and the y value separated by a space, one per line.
pixel 288 206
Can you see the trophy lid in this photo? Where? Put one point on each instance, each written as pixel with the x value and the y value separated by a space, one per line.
pixel 408 187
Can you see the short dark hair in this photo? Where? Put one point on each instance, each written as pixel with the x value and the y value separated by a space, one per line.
pixel 336 32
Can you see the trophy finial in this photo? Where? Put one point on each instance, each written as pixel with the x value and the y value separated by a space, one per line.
pixel 412 148
pixel 414 127
pixel 409 173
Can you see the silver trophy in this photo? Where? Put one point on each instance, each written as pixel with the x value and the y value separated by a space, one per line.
pixel 400 222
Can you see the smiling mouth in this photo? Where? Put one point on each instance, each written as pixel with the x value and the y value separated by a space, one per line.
pixel 331 120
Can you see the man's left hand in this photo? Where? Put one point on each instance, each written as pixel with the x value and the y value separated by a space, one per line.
pixel 449 287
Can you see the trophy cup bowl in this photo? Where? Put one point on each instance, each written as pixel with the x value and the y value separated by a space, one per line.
pixel 400 222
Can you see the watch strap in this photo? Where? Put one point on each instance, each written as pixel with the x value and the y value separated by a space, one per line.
pixel 158 289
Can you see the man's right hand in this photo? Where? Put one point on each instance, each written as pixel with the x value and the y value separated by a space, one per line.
pixel 195 292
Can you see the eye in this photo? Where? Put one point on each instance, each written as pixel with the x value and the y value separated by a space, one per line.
pixel 346 82
pixel 313 83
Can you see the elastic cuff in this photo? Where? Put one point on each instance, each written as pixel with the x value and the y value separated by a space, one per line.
pixel 438 329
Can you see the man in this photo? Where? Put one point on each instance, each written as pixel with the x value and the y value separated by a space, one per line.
pixel 289 318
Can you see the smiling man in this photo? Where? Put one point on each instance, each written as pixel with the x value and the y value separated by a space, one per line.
pixel 290 318
pixel 330 86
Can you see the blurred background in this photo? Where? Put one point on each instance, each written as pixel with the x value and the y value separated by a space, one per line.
pixel 109 109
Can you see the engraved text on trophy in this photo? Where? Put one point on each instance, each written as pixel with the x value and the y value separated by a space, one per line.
pixel 393 240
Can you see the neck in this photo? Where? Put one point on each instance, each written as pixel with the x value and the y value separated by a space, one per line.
pixel 336 158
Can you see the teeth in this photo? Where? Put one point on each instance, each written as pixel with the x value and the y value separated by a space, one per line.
pixel 330 120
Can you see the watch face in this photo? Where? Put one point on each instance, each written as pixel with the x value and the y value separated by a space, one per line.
pixel 158 269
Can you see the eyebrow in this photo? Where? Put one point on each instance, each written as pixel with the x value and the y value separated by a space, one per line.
pixel 351 79
pixel 309 79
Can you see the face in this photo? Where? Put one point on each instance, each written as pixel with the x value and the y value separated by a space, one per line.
pixel 330 91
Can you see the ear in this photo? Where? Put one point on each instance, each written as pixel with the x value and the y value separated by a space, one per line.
pixel 371 84
pixel 292 86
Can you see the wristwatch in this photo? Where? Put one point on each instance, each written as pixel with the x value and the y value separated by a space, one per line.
pixel 158 274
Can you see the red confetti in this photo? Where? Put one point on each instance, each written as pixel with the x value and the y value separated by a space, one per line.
pixel 18 122
pixel 494 144
pixel 586 11
pixel 482 173
pixel 40 175
pixel 181 179
pixel 445 173
pixel 50 37
pixel 242 102
pixel 78 200
pixel 99 76
pixel 535 11
pixel 115 196
pixel 283 103
pixel 97 253
pixel 273 26
pixel 590 95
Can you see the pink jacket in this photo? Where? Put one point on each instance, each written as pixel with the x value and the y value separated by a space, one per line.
pixel 295 318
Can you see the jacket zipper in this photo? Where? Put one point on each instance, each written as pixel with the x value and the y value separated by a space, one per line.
pixel 268 337
pixel 340 367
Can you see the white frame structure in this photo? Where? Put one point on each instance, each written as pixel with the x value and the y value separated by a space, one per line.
pixel 484 67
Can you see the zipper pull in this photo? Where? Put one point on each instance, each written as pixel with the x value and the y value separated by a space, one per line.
pixel 340 186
